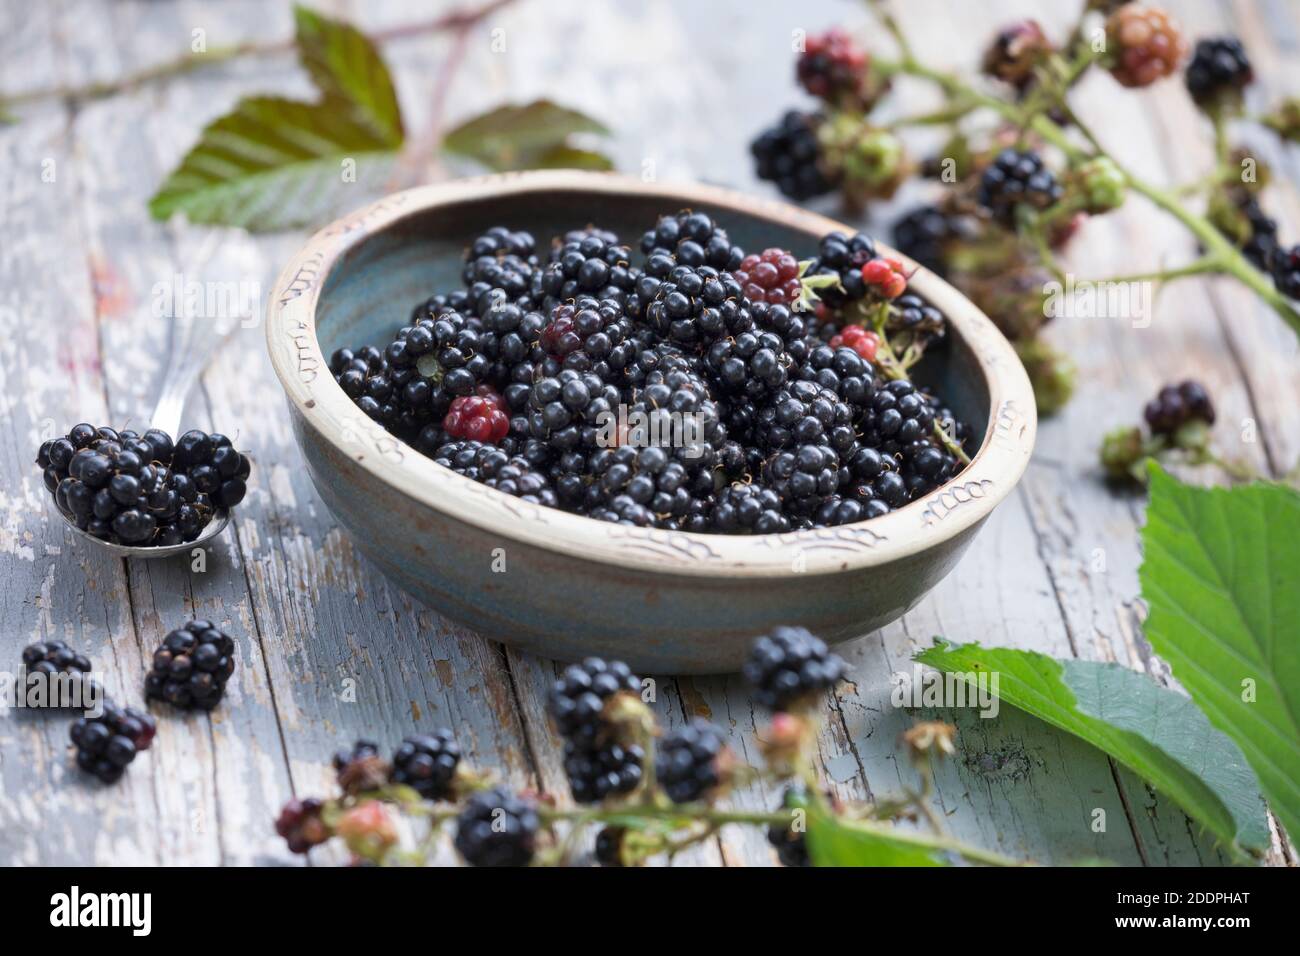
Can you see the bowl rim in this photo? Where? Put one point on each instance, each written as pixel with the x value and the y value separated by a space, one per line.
pixel 940 516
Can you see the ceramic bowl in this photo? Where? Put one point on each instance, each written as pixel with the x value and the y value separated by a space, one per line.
pixel 565 586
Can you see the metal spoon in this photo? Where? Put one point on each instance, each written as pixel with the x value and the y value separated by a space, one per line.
pixel 191 357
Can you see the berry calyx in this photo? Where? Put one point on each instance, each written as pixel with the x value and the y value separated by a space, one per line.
pixel 887 276
pixel 771 276
pixel 479 417
pixel 863 341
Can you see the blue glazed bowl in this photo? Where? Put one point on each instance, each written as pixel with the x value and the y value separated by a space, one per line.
pixel 563 585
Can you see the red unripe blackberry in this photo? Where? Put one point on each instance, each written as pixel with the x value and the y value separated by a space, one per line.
pixel 833 68
pixel 863 341
pixel 1146 43
pixel 771 276
pixel 480 417
pixel 887 276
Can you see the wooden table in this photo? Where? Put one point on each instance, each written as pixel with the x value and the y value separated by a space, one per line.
pixel 329 651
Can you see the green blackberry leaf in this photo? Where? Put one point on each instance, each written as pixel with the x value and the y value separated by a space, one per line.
pixel 1219 576
pixel 274 163
pixel 1157 733
pixel 532 136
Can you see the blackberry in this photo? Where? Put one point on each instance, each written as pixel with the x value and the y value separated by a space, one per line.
pixel 361 768
pixel 432 362
pixel 568 410
pixel 301 826
pixel 924 235
pixel 790 156
pixel 578 698
pixel 497 828
pixel 578 235
pixel 1219 68
pixel 1016 52
pixel 497 469
pixel 844 372
pixel 752 507
pixel 65 674
pixel 215 468
pixel 750 364
pixel 1015 178
pixel 803 476
pixel 427 763
pixel 366 378
pixel 54 657
pixel 648 477
pixel 925 466
pixel 833 67
pixel 692 239
pixel 191 667
pixel 674 404
pixel 837 510
pixel 843 256
pixel 493 281
pixel 689 761
pixel 1286 272
pixel 609 846
pixel 1261 244
pixel 695 305
pixel 790 845
pixel 898 416
pixel 511 338
pixel 910 315
pixel 457 300
pixel 591 265
pixel 1176 405
pixel 589 335
pixel 807 413
pixel 595 774
pixel 874 482
pixel 108 743
pixel 500 241
pixel 1147 43
pixel 790 665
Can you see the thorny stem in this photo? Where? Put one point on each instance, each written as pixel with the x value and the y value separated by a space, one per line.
pixel 459 20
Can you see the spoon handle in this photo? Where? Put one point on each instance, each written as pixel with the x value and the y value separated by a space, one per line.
pixel 194 341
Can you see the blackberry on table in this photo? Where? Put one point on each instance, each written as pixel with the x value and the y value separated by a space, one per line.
pixel 578 698
pixel 692 239
pixel 790 665
pixel 1176 405
pixel 597 773
pixel 1016 178
pixel 1219 67
pixel 107 744
pixel 427 763
pixel 497 828
pixel 790 156
pixel 191 667
pixel 688 762
pixel 54 657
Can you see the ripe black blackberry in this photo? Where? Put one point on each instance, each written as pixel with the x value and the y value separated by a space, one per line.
pixel 457 300
pixel 191 667
pixel 898 416
pixel 673 407
pixel 804 477
pixel 789 666
pixel 54 657
pixel 597 773
pixel 495 280
pixel 1016 178
pixel 500 241
pixel 590 265
pixel 843 256
pixel 696 305
pixel 648 477
pixel 578 698
pixel 589 335
pixel 427 763
pixel 1261 244
pixel 1176 405
pixel 497 469
pixel 609 846
pixel 911 316
pixel 789 843
pixel 1219 67
pixel 924 234
pixel 497 828
pixel 806 413
pixel 512 340
pixel 578 235
pixel 433 362
pixel 841 371
pixel 790 156
pixel 753 364
pixel 874 482
pixel 692 239
pixel 214 466
pixel 689 764
pixel 568 410
pixel 108 743
pixel 748 507
pixel 1286 271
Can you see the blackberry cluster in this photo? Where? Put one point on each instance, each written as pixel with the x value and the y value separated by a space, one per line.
pixel 688 391
pixel 597 763
pixel 688 763
pixel 1176 405
pixel 1015 178
pixel 142 490
pixel 191 667
pixel 923 234
pixel 497 828
pixel 54 657
pixel 597 774
pixel 427 763
pixel 107 744
pixel 1219 67
pixel 789 155
pixel 790 665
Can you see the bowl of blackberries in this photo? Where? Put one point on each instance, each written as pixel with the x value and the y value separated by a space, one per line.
pixel 584 414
